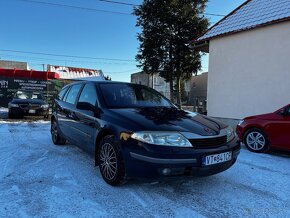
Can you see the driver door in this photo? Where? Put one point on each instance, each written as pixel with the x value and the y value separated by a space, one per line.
pixel 285 128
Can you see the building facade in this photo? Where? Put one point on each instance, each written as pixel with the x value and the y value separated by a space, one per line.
pixel 13 65
pixel 249 67
pixel 195 88
pixel 198 93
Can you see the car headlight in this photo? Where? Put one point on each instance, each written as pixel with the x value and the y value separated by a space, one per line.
pixel 44 106
pixel 240 122
pixel 162 138
pixel 10 105
pixel 230 133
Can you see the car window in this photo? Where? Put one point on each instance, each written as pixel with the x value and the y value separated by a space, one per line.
pixel 73 93
pixel 28 95
pixel 131 95
pixel 61 93
pixel 288 111
pixel 89 94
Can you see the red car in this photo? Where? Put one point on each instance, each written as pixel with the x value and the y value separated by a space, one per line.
pixel 261 132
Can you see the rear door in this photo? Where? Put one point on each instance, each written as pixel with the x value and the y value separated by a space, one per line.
pixel 278 130
pixel 285 130
pixel 59 105
pixel 69 121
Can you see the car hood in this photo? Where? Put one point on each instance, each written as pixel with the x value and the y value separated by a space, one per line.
pixel 168 119
pixel 28 101
pixel 269 116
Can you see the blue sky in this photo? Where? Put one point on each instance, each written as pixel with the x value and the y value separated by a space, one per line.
pixel 33 27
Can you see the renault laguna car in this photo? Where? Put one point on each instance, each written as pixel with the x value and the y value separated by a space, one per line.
pixel 133 131
pixel 28 103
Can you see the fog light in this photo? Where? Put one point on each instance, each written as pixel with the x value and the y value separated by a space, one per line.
pixel 166 171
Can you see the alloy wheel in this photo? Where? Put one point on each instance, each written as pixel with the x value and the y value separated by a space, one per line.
pixel 256 140
pixel 108 161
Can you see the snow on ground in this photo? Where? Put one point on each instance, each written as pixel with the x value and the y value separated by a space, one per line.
pixel 43 180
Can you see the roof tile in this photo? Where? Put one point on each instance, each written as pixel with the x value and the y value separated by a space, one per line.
pixel 252 14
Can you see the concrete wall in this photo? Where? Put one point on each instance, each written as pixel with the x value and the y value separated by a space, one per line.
pixel 249 72
pixel 13 65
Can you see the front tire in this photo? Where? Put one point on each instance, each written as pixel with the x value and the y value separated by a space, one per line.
pixel 111 163
pixel 57 139
pixel 256 141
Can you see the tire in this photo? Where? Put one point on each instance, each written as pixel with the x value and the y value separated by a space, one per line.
pixel 111 162
pixel 57 139
pixel 10 116
pixel 256 141
pixel 45 116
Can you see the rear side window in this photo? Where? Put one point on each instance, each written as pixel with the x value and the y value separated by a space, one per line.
pixel 89 94
pixel 61 93
pixel 73 93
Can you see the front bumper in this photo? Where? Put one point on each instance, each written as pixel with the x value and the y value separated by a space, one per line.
pixel 17 111
pixel 152 161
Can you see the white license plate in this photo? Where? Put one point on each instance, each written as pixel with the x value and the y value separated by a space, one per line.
pixel 31 111
pixel 216 158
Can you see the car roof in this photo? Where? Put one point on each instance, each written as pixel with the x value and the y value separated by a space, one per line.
pixel 97 82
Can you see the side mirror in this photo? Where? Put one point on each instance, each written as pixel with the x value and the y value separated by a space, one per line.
pixel 88 107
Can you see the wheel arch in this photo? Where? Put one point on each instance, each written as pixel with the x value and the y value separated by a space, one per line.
pixel 253 128
pixel 102 134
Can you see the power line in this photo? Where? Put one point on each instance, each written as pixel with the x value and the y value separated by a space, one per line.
pixel 68 56
pixel 74 7
pixel 29 58
pixel 99 10
pixel 119 3
pixel 129 4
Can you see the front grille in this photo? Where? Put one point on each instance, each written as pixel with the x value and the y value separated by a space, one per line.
pixel 23 105
pixel 208 142
pixel 34 106
pixel 29 106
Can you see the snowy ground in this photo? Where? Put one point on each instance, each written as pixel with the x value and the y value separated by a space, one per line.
pixel 39 179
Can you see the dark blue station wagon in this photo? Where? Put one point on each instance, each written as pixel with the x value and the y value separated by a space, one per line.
pixel 133 131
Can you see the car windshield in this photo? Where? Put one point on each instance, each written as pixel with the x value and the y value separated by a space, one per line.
pixel 28 95
pixel 132 96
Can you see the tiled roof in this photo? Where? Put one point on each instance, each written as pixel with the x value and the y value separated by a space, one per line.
pixel 251 14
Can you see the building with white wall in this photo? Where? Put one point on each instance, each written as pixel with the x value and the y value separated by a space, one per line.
pixel 249 60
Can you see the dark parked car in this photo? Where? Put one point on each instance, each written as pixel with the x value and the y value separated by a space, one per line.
pixel 133 131
pixel 261 132
pixel 29 103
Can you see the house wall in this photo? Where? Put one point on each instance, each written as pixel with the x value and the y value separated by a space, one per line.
pixel 249 72
pixel 13 65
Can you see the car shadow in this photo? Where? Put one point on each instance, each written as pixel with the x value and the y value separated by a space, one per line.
pixel 276 152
